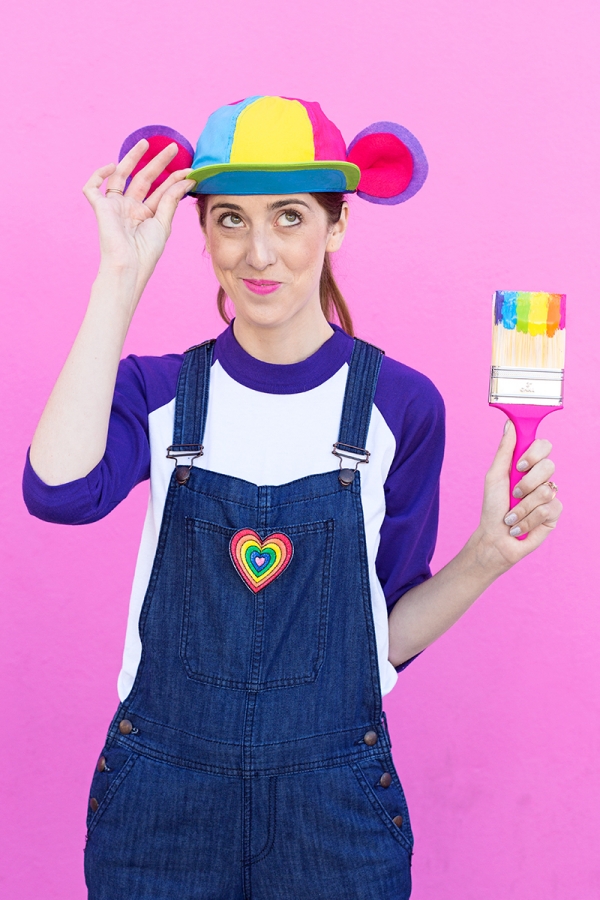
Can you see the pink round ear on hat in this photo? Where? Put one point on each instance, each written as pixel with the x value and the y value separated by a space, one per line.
pixel 159 137
pixel 392 162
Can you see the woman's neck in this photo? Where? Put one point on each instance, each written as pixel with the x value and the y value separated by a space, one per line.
pixel 285 343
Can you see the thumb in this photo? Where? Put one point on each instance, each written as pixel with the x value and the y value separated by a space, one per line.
pixel 501 463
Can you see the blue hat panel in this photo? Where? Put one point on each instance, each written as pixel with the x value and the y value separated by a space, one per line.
pixel 214 144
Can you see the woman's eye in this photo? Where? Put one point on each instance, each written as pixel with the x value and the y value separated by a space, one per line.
pixel 290 217
pixel 231 220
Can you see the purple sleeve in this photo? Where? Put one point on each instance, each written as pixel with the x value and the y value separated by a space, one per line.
pixel 414 410
pixel 143 384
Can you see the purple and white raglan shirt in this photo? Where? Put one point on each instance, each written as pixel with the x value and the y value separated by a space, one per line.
pixel 271 424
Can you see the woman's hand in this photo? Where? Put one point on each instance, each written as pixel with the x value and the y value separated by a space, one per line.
pixel 535 515
pixel 133 230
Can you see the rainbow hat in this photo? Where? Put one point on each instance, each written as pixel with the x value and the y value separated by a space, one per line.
pixel 271 145
pixel 280 145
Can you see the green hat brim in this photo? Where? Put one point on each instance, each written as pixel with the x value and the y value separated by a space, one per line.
pixel 268 178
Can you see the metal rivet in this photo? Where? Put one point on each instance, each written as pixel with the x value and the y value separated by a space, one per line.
pixel 101 764
pixel 346 476
pixel 397 820
pixel 94 804
pixel 125 726
pixel 385 780
pixel 370 738
pixel 182 474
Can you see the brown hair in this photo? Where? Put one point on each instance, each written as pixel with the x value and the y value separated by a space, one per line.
pixel 332 301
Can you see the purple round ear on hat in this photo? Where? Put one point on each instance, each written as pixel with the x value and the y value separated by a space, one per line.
pixel 159 137
pixel 392 162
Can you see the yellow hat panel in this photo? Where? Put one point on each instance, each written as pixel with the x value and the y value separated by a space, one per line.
pixel 273 130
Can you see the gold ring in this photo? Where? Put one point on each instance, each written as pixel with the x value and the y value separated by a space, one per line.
pixel 114 190
pixel 552 486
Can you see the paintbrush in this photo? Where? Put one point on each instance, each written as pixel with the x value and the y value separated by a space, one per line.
pixel 528 359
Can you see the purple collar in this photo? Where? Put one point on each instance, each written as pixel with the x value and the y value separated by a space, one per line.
pixel 296 378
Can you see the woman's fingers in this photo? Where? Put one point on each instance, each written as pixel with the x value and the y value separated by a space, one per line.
pixel 174 178
pixel 544 514
pixel 125 167
pixel 169 201
pixel 541 472
pixel 91 188
pixel 142 180
pixel 537 451
pixel 520 516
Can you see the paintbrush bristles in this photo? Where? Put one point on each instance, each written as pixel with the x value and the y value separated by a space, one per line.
pixel 529 330
pixel 527 351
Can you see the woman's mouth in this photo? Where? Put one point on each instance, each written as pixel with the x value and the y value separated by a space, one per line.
pixel 260 285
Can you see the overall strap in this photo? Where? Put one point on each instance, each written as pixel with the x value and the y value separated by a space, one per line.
pixel 356 411
pixel 191 406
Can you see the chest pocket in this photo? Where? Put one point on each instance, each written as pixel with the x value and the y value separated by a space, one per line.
pixel 236 638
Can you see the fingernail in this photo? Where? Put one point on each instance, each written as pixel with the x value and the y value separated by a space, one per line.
pixel 506 424
pixel 518 493
pixel 515 532
pixel 522 466
pixel 510 519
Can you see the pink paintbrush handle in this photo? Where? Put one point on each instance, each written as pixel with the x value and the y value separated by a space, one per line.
pixel 526 420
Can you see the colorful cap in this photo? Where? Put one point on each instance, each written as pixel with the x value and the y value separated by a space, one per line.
pixel 272 145
pixel 281 145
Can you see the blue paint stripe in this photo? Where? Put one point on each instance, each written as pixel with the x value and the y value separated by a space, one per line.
pixel 214 144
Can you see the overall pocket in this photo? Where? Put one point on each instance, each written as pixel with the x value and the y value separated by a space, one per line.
pixel 111 770
pixel 233 637
pixel 381 785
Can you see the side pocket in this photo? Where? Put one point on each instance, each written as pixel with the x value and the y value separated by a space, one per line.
pixel 386 797
pixel 113 767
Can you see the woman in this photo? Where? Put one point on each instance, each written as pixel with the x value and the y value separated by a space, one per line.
pixel 277 592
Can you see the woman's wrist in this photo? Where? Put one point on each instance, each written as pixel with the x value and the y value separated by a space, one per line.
pixel 484 557
pixel 117 290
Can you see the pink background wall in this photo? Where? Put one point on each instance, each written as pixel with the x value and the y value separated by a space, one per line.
pixel 495 728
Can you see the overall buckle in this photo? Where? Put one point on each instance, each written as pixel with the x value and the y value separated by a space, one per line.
pixel 357 455
pixel 188 452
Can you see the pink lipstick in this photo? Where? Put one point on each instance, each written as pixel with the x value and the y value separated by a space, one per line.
pixel 260 286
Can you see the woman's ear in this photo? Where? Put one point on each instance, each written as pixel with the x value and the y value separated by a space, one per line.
pixel 338 232
pixel 392 162
pixel 159 137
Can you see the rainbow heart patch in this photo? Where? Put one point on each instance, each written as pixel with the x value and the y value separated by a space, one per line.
pixel 260 562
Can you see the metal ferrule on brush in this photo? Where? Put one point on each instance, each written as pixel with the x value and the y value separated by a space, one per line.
pixel 513 384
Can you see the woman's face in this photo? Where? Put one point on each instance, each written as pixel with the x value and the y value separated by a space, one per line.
pixel 267 252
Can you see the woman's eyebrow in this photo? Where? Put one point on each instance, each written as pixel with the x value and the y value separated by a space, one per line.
pixel 279 203
pixel 226 206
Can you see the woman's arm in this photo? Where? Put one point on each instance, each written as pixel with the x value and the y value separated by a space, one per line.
pixel 425 612
pixel 71 436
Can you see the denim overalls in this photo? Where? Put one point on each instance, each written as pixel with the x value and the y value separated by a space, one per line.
pixel 250 760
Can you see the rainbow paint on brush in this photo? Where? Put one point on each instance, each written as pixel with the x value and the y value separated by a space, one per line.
pixel 529 333
pixel 528 358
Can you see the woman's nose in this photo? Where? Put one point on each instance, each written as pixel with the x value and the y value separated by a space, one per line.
pixel 261 251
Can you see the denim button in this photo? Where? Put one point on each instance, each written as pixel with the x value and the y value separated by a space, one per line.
pixel 125 726
pixel 94 804
pixel 101 764
pixel 385 780
pixel 397 820
pixel 370 738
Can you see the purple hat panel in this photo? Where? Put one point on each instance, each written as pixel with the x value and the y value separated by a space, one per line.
pixel 392 162
pixel 159 137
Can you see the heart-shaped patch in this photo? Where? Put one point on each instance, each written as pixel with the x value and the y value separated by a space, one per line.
pixel 260 562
